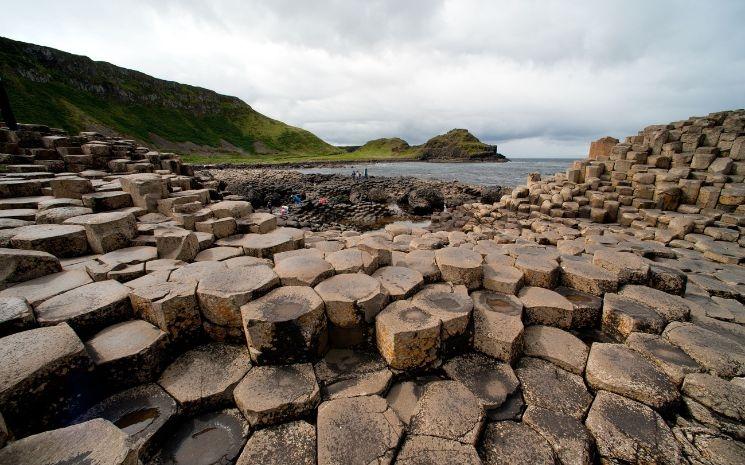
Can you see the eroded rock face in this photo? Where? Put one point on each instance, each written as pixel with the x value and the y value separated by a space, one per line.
pixel 342 422
pixel 293 442
pixel 507 442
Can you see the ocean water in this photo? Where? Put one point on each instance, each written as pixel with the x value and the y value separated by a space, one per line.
pixel 508 174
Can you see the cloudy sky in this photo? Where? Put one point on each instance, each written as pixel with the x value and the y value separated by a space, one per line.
pixel 539 78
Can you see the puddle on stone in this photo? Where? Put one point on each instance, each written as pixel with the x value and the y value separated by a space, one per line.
pixel 414 315
pixel 285 310
pixel 445 302
pixel 137 420
pixel 209 439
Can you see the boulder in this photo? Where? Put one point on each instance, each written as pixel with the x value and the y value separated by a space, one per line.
pixel 713 352
pixel 675 363
pixel 38 290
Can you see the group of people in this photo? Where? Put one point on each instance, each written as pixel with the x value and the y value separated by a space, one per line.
pixel 358 175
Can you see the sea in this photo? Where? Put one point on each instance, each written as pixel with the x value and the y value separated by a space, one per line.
pixel 509 174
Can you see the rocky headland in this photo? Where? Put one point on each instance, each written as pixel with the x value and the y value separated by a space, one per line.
pixel 150 315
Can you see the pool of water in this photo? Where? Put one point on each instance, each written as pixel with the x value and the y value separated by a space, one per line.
pixel 508 174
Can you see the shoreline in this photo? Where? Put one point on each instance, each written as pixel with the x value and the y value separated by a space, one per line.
pixel 331 164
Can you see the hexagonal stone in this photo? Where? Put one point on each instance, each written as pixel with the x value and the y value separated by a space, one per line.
pixel 176 243
pixel 622 316
pixel 17 266
pixel 171 306
pixel 140 412
pixel 204 377
pixel 70 187
pixel 88 308
pixel 36 369
pixel 453 307
pixel 128 255
pixel 274 394
pixel 545 307
pixel 504 279
pixel 266 245
pixel 675 363
pixel 107 231
pixel 547 386
pixel 587 277
pixel 210 438
pixel 218 254
pixel 218 227
pixel 341 424
pixel 400 282
pixel 197 271
pixel 15 315
pixel 490 381
pixel 351 373
pixel 246 261
pixel 719 395
pixel 60 214
pixel 379 247
pixel 619 369
pixel 232 208
pixel 407 336
pixel 716 353
pixel 497 325
pixel 221 294
pixel 629 267
pixel 425 450
pixel 303 271
pixel 459 265
pixel 61 240
pixel 38 290
pixel 447 409
pixel 288 443
pixel 538 270
pixel 508 443
pixel 424 262
pixel 629 431
pixel 286 325
pixel 105 201
pixel 128 353
pixel 96 442
pixel 556 346
pixel 352 301
pixel 670 307
pixel 587 308
pixel 352 261
pixel 568 437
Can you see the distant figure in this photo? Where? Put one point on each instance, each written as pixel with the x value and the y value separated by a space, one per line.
pixel 365 173
pixel 296 199
pixel 323 201
pixel 269 205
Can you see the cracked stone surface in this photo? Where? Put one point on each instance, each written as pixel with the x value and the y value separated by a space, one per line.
pixel 448 409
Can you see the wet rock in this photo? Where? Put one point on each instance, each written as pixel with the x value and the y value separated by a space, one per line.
pixel 211 438
pixel 17 266
pixel 425 450
pixel 546 307
pixel 459 265
pixel 556 346
pixel 203 378
pixel 107 231
pixel 221 294
pixel 176 244
pixel 586 277
pixel 95 442
pixel 38 290
pixel 629 431
pixel 128 353
pixel 60 240
pixel 399 282
pixel 171 306
pixel 342 422
pixel 497 325
pixel 570 440
pixel 351 261
pixel 407 336
pixel 509 443
pixel 547 386
pixel 286 325
pixel 675 363
pixel 504 279
pixel 140 412
pixel 538 270
pixel 348 373
pixel 37 367
pixel 489 380
pixel 721 396
pixel 275 394
pixel 621 370
pixel 88 308
pixel 15 316
pixel 288 443
pixel 622 316
pixel 303 271
pixel 715 353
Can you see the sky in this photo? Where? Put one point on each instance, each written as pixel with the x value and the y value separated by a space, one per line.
pixel 538 78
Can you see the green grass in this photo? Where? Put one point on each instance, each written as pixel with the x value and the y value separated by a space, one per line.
pixel 203 159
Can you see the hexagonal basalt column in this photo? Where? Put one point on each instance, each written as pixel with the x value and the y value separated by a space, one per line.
pixel 107 231
pixel 286 325
pixel 171 306
pixel 400 282
pixel 459 265
pixel 498 327
pixel 408 337
pixel 352 261
pixel 303 271
pixel 61 240
pixel 453 307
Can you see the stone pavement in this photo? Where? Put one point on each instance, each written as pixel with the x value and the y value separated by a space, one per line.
pixel 159 319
